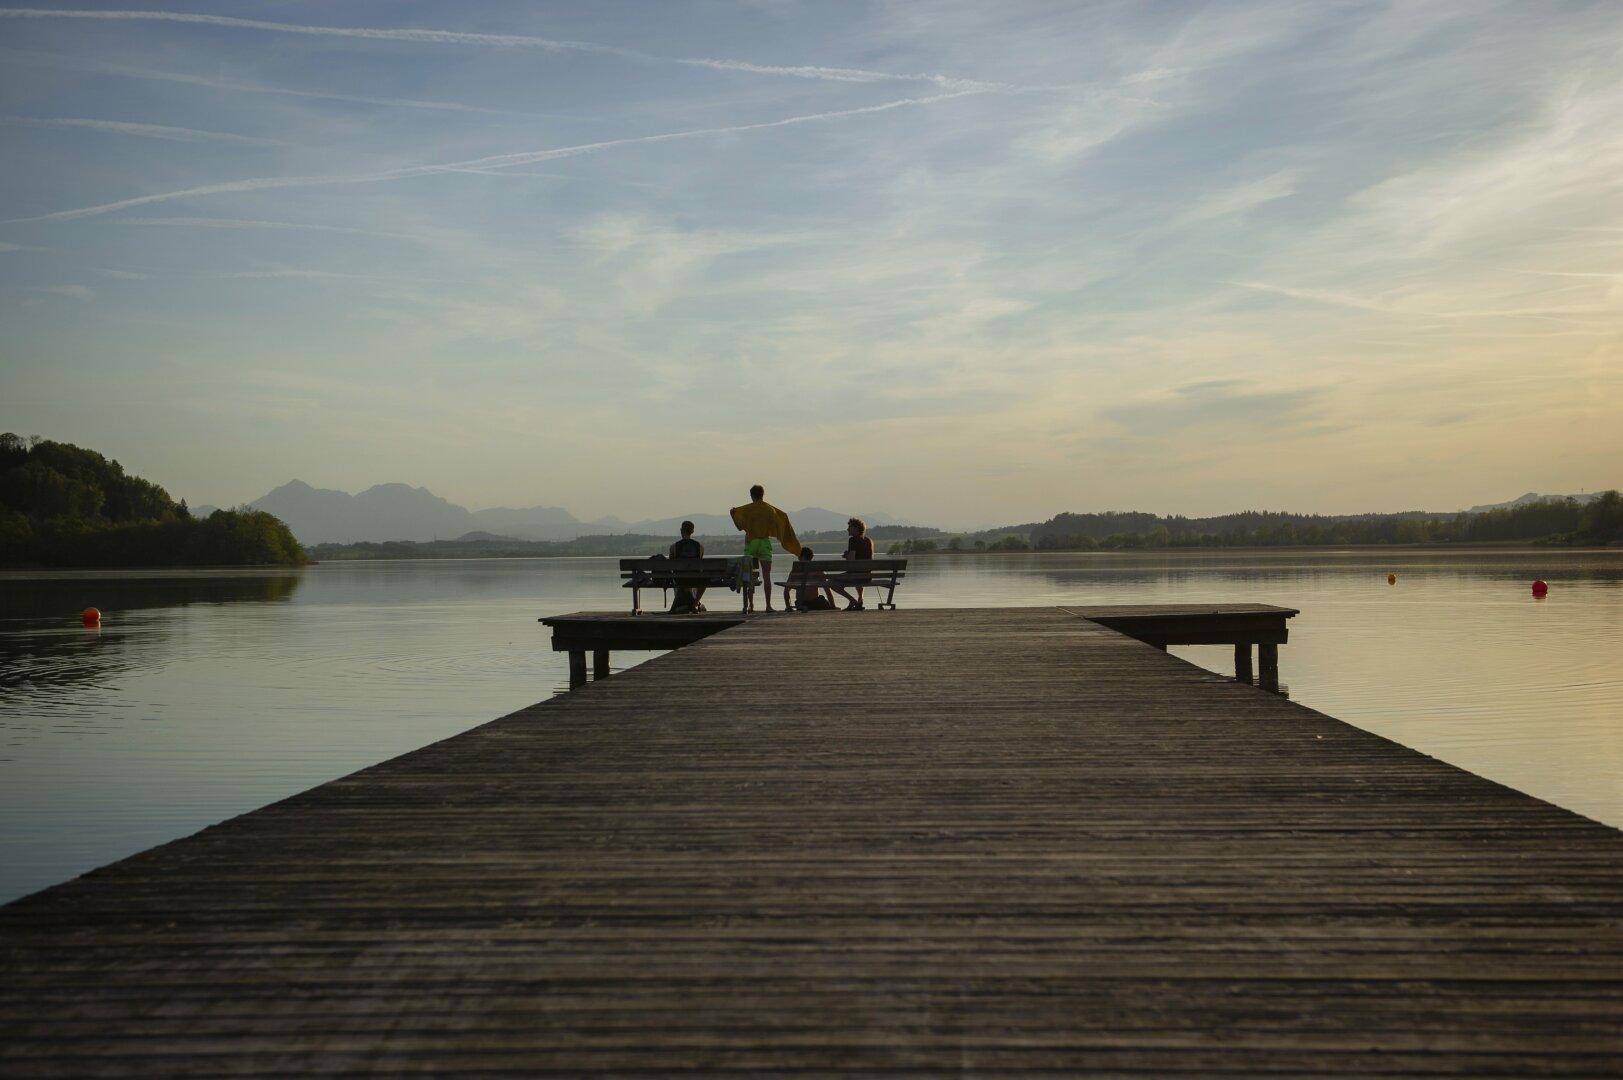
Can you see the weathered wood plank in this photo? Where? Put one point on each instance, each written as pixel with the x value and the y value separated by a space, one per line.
pixel 1004 842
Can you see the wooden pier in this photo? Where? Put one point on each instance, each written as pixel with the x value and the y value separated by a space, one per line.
pixel 992 842
pixel 1244 626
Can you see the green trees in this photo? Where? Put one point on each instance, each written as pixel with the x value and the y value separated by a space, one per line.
pixel 63 505
pixel 1602 521
pixel 1556 520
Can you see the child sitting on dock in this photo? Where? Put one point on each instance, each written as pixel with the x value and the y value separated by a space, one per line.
pixel 809 585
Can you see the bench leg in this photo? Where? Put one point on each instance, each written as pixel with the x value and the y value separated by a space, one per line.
pixel 1268 663
pixel 577 668
pixel 600 664
pixel 636 600
pixel 1242 661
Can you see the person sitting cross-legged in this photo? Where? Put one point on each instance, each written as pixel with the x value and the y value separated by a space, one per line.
pixel 807 588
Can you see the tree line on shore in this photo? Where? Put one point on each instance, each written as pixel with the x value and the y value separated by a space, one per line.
pixel 63 505
pixel 1564 521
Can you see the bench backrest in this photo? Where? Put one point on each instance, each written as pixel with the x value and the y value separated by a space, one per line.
pixel 700 571
pixel 836 563
pixel 833 568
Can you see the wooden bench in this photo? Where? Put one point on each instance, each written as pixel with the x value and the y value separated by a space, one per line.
pixel 850 574
pixel 655 573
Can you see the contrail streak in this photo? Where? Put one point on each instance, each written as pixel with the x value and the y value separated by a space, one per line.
pixel 148 131
pixel 126 72
pixel 511 41
pixel 1611 276
pixel 240 223
pixel 495 161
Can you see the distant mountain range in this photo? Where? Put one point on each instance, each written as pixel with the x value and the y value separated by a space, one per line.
pixel 402 512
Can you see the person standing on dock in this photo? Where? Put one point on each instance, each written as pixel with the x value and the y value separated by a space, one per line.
pixel 762 523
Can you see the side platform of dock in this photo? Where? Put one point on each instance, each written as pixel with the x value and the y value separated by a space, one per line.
pixel 1247 627
pixel 1002 842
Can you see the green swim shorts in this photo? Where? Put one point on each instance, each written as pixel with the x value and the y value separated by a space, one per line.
pixel 759 550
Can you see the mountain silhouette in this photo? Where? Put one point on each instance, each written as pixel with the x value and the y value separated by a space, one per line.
pixel 402 512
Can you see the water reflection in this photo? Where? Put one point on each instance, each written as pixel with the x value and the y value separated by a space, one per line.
pixel 46 596
pixel 208 694
pixel 43 648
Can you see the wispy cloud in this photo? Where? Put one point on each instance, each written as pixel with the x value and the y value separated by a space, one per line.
pixel 1384 307
pixel 508 41
pixel 1613 275
pixel 1243 198
pixel 494 161
pixel 1324 296
pixel 72 292
pixel 296 274
pixel 1216 403
pixel 145 131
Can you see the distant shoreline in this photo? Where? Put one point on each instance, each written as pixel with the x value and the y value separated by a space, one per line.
pixel 1481 547
pixel 1531 547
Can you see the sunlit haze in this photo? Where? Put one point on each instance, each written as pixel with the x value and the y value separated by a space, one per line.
pixel 961 263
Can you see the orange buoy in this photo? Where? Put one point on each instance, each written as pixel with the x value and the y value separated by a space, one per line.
pixel 1391 579
pixel 1540 589
pixel 90 616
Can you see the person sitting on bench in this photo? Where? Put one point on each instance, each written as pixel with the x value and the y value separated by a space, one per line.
pixel 810 586
pixel 687 597
pixel 858 546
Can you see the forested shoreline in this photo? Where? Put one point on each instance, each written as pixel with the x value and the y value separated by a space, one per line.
pixel 65 506
pixel 1553 521
pixel 1556 521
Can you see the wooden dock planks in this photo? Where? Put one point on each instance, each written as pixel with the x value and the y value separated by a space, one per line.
pixel 980 841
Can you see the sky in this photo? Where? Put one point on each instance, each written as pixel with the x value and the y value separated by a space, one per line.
pixel 963 263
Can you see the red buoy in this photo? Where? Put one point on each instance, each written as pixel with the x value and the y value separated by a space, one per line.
pixel 1540 589
pixel 90 616
pixel 1391 579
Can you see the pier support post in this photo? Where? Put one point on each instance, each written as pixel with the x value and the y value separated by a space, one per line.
pixel 577 668
pixel 1268 662
pixel 1242 661
pixel 600 664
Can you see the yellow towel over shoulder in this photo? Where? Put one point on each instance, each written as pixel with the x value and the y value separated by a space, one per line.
pixel 760 520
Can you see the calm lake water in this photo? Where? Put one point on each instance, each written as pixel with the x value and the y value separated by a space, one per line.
pixel 206 694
